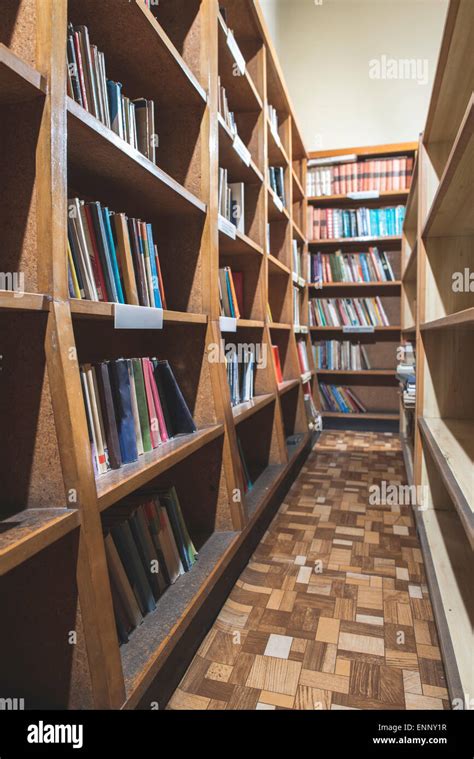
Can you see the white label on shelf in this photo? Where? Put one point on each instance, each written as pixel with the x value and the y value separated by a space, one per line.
pixel 304 330
pixel 301 281
pixel 228 324
pixel 295 278
pixel 137 317
pixel 358 329
pixel 278 202
pixel 306 377
pixel 364 195
pixel 235 50
pixel 241 150
pixel 227 227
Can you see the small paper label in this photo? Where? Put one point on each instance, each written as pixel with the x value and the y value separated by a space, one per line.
pixel 367 195
pixel 228 324
pixel 301 281
pixel 306 377
pixel 295 278
pixel 358 329
pixel 137 317
pixel 235 50
pixel 304 330
pixel 227 227
pixel 242 151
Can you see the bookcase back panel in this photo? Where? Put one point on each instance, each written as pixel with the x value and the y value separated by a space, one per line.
pixel 182 345
pixel 250 128
pixel 449 359
pixel 30 473
pixel 292 412
pixel 449 266
pixel 254 213
pixel 18 28
pixel 179 146
pixel 45 661
pixel 182 21
pixel 255 435
pixel 19 253
pixel 279 297
pixel 280 241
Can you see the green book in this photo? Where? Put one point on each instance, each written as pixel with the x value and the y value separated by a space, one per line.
pixel 142 404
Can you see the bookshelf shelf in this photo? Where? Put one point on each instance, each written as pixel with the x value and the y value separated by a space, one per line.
pixel 250 324
pixel 359 372
pixel 384 198
pixel 30 531
pixel 117 484
pixel 462 320
pixel 277 155
pixel 138 51
pixel 450 214
pixel 370 415
pixel 87 309
pixel 279 326
pixel 274 212
pixel 355 334
pixel 287 385
pixel 96 154
pixel 451 445
pixel 146 651
pixel 19 82
pixel 242 245
pixel 354 285
pixel 276 266
pixel 241 91
pixel 245 410
pixel 299 233
pixel 351 241
pixel 10 301
pixel 229 158
pixel 262 489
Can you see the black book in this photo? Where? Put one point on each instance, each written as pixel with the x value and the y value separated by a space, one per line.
pixel 146 551
pixel 108 414
pixel 182 420
pixel 128 552
pixel 72 65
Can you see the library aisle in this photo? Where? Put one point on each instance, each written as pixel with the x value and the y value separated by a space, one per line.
pixel 332 611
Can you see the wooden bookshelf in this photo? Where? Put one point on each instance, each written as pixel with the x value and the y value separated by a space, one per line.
pixel 441 244
pixel 53 570
pixel 376 388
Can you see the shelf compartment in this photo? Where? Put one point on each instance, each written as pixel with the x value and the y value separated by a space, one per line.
pixel 409 273
pixel 152 641
pixel 262 489
pixel 246 410
pixel 274 213
pixel 450 214
pixel 25 534
pixel 9 301
pixel 298 189
pixel 382 416
pixel 18 81
pixel 277 267
pixel 277 155
pixel 462 320
pixel 357 241
pixel 287 385
pixel 230 159
pixel 242 245
pixel 96 155
pixel 138 52
pixel 117 484
pixel 241 91
pixel 354 334
pixel 359 372
pixel 352 285
pixel 451 444
pixel 386 197
pixel 297 230
pixel 294 449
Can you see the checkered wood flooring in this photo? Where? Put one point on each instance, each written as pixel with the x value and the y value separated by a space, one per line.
pixel 332 611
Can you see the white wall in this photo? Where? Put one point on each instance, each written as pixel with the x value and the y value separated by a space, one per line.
pixel 325 52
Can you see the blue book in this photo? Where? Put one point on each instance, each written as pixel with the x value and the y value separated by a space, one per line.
pixel 342 404
pixel 114 93
pixel 112 255
pixel 229 294
pixel 346 224
pixel 365 268
pixel 154 273
pixel 121 391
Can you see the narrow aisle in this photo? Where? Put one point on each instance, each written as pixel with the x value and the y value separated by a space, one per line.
pixel 354 631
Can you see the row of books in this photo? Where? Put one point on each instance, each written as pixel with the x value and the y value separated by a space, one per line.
pixel 347 312
pixel 223 108
pixel 232 201
pixel 132 120
pixel 111 257
pixel 340 398
pixel 276 177
pixel 303 356
pixel 132 406
pixel 241 367
pixel 231 292
pixel 339 223
pixel 379 174
pixel 340 355
pixel 148 546
pixel 373 266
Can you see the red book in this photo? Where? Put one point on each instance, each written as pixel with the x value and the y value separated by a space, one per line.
pixel 95 260
pixel 159 410
pixel 276 359
pixel 152 413
pixel 238 279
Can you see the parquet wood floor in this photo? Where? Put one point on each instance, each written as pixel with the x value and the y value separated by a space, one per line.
pixel 332 611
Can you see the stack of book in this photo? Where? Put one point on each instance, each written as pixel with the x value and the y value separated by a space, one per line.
pixel 347 312
pixel 223 107
pixel 407 377
pixel 339 223
pixel 277 362
pixel 111 257
pixel 340 356
pixel 241 374
pixel 132 407
pixel 373 266
pixel 231 292
pixel 148 547
pixel 232 201
pixel 277 182
pixel 380 175
pixel 87 83
pixel 340 399
pixel 303 356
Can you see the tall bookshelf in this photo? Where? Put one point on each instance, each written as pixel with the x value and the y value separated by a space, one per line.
pixel 58 623
pixel 444 322
pixel 377 387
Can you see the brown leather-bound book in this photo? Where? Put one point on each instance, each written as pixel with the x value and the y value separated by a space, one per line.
pixel 138 263
pixel 108 415
pixel 124 253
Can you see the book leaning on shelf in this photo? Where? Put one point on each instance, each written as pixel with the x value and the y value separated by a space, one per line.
pixel 339 223
pixel 335 355
pixel 379 174
pixel 276 176
pixel 277 362
pixel 231 200
pixel 132 406
pixel 340 399
pixel 241 368
pixel 148 547
pixel 231 292
pixel 111 257
pixel 303 356
pixel 373 266
pixel 87 84
pixel 347 312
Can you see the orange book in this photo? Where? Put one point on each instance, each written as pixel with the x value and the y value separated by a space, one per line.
pixel 276 358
